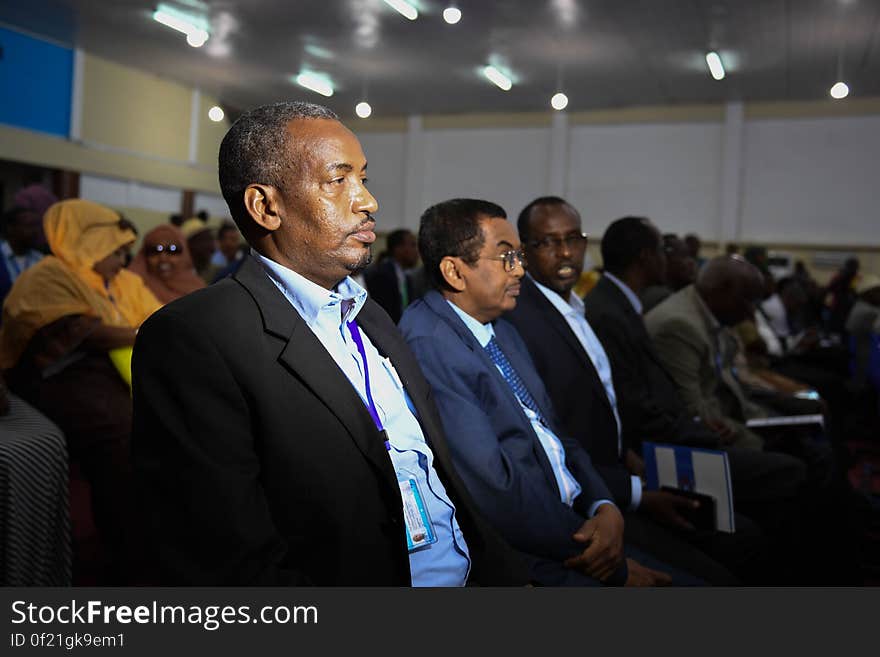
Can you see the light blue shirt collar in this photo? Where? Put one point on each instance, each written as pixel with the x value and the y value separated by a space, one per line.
pixel 482 332
pixel 309 298
pixel 627 291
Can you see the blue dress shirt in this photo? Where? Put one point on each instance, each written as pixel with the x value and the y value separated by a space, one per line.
pixel 326 312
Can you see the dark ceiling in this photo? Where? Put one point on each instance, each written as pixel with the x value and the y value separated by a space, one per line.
pixel 602 53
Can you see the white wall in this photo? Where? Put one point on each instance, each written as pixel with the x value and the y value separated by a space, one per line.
pixel 505 166
pixel 669 172
pixel 385 153
pixel 813 181
pixel 793 180
pixel 129 194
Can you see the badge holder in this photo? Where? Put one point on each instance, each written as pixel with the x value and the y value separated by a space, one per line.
pixel 419 528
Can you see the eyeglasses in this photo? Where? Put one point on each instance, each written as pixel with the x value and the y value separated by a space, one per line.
pixel 170 249
pixel 551 243
pixel 510 259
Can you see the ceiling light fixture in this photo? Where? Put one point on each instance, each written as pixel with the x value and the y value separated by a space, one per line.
pixel 498 78
pixel 215 114
pixel 193 27
pixel 559 101
pixel 716 68
pixel 197 39
pixel 363 109
pixel 315 82
pixel 452 15
pixel 839 90
pixel 404 8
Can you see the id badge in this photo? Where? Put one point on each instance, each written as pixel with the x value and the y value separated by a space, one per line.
pixel 419 530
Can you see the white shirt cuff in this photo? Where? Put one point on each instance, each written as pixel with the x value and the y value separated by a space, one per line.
pixel 636 494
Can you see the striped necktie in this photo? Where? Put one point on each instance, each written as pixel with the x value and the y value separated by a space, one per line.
pixel 513 379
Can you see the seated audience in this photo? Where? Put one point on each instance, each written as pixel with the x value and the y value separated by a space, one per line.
pixel 202 245
pixel 648 399
pixel 681 271
pixel 579 379
pixel 22 233
pixel 389 282
pixel 693 244
pixel 840 296
pixel 164 264
pixel 533 482
pixel 228 245
pixel 862 324
pixel 61 320
pixel 36 198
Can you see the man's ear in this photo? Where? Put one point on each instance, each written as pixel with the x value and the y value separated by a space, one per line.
pixel 450 268
pixel 261 203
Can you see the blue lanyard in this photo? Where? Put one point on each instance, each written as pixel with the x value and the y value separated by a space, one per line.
pixel 371 405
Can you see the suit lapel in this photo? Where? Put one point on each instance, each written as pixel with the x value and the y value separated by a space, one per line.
pixel 548 313
pixel 389 342
pixel 308 360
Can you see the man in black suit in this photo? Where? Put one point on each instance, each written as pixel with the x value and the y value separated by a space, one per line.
pixel 283 431
pixel 578 375
pixel 650 405
pixel 388 282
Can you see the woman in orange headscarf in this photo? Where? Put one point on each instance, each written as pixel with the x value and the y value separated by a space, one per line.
pixel 62 318
pixel 165 264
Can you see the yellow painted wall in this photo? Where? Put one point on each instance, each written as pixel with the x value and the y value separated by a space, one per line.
pixel 135 111
pixel 210 133
pixel 53 152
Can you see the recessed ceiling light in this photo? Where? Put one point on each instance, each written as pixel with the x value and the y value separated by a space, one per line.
pixel 498 78
pixel 404 8
pixel 452 15
pixel 197 38
pixel 363 109
pixel 215 114
pixel 559 101
pixel 715 66
pixel 839 90
pixel 315 82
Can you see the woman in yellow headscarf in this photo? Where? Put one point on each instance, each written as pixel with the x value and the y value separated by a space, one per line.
pixel 62 318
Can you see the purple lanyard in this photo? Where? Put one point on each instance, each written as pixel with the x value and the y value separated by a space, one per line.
pixel 371 406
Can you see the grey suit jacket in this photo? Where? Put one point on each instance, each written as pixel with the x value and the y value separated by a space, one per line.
pixel 698 353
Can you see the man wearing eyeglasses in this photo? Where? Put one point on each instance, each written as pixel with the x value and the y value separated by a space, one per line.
pixel 577 372
pixel 283 432
pixel 536 485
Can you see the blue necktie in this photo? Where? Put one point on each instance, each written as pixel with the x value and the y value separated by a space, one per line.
pixel 513 380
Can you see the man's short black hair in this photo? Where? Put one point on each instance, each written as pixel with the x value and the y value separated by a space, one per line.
pixel 452 228
pixel 624 241
pixel 395 238
pixel 525 215
pixel 256 150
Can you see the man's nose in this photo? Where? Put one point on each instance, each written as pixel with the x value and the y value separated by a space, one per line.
pixel 365 201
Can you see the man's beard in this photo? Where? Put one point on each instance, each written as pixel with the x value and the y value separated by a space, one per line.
pixel 360 265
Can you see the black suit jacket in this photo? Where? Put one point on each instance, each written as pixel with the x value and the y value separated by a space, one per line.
pixel 257 460
pixel 647 397
pixel 382 285
pixel 573 384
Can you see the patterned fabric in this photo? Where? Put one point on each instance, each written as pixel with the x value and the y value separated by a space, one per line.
pixel 34 508
pixel 513 379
